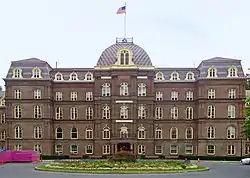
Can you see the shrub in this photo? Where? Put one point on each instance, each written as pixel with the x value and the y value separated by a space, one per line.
pixel 123 156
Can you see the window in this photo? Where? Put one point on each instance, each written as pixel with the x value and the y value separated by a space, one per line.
pixel 37 148
pixel 141 112
pixel 73 96
pixel 74 133
pixel 106 112
pixel 124 57
pixel 189 113
pixel 89 76
pixel 141 133
pixel 211 132
pixel 74 149
pixel 231 111
pixel 159 76
pixel 73 76
pixel 17 94
pixel 159 96
pixel 106 89
pixel 211 93
pixel 158 133
pixel 37 132
pixel 18 147
pixel 141 149
pixel 173 149
pixel 158 113
pixel 211 149
pixel 3 135
pixel 175 76
pixel 89 133
pixel 89 113
pixel 212 72
pixel 106 133
pixel 174 95
pixel 174 113
pixel 17 73
pixel 37 112
pixel 59 113
pixel 173 133
pixel 189 95
pixel 124 89
pixel 17 112
pixel 37 94
pixel 232 72
pixel 58 76
pixel 106 149
pixel 232 93
pixel 59 133
pixel 18 132
pixel 231 132
pixel 189 133
pixel 230 149
pixel 2 102
pixel 188 149
pixel 247 150
pixel 124 112
pixel 59 149
pixel 2 118
pixel 73 113
pixel 158 149
pixel 211 111
pixel 142 90
pixel 59 96
pixel 36 73
pixel 89 96
pixel 89 149
pixel 190 76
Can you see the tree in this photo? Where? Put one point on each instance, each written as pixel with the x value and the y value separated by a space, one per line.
pixel 246 126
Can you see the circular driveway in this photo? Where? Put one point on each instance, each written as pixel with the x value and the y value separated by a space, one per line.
pixel 218 170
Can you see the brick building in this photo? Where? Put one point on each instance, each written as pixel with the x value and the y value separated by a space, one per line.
pixel 125 102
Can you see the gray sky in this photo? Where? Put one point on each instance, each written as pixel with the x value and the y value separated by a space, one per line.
pixel 175 33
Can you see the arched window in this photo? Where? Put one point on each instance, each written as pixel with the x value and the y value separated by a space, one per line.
pixel 73 113
pixel 124 89
pixel 231 132
pixel 142 90
pixel 3 135
pixel 106 112
pixel 58 76
pixel 89 113
pixel 17 111
pixel 37 112
pixel 189 133
pixel 59 113
pixel 190 76
pixel 88 76
pixel 175 76
pixel 210 132
pixel 212 72
pixel 231 111
pixel 159 76
pixel 232 72
pixel 73 76
pixel 174 113
pixel 89 133
pixel 36 73
pixel 141 133
pixel 106 133
pixel 124 112
pixel 211 111
pixel 37 132
pixel 106 89
pixel 158 113
pixel 124 57
pixel 173 133
pixel 17 73
pixel 59 133
pixel 18 132
pixel 74 133
pixel 141 112
pixel 158 133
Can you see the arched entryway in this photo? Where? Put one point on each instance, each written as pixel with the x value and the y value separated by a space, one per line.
pixel 123 147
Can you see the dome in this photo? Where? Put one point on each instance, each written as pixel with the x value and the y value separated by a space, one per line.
pixel 109 55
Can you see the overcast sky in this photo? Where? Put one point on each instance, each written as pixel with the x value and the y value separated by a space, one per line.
pixel 175 33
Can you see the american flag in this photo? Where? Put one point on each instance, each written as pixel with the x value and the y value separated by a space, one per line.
pixel 121 10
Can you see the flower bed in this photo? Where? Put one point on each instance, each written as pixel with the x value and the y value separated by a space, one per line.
pixel 104 166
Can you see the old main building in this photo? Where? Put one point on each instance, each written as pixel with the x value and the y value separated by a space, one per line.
pixel 125 102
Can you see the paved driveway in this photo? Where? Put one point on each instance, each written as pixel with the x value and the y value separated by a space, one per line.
pixel 218 170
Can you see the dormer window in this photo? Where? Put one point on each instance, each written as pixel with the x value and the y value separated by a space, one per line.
pixel 73 76
pixel 190 76
pixel 88 76
pixel 36 73
pixel 175 76
pixel 17 73
pixel 212 72
pixel 232 72
pixel 159 76
pixel 58 76
pixel 124 57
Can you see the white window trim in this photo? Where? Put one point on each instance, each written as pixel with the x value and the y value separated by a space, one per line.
pixel 161 133
pixel 92 150
pixel 14 73
pixel 56 77
pixel 186 149
pixel 177 133
pixel 73 76
pixel 177 76
pixel 36 71
pixel 215 72
pixel 232 68
pixel 71 132
pixel 58 132
pixel 161 150
pixel 71 150
pixel 190 73
pixel 86 76
pixel 214 150
pixel 159 76
pixel 192 132
pixel 177 150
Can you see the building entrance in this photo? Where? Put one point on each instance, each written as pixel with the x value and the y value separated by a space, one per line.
pixel 123 147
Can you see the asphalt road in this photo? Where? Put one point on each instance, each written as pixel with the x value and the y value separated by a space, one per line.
pixel 218 170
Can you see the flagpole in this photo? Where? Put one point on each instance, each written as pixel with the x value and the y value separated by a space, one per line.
pixel 125 21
